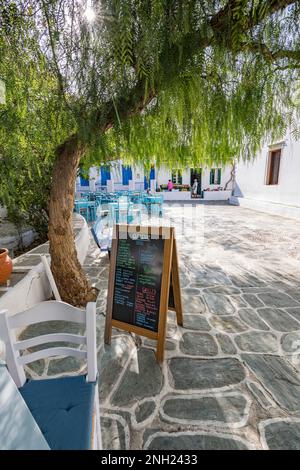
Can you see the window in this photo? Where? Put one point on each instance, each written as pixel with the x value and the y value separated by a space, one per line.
pixel 215 176
pixel 177 176
pixel 273 167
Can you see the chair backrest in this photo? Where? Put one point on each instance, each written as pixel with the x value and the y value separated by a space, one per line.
pixel 42 312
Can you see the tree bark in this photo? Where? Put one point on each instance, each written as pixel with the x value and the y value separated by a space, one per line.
pixel 69 276
pixel 232 178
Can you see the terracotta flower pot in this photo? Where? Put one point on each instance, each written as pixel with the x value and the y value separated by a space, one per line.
pixel 6 266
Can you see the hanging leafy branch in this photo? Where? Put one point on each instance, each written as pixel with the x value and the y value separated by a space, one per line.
pixel 175 51
pixel 32 124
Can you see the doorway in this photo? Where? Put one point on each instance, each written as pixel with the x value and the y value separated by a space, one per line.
pixel 196 173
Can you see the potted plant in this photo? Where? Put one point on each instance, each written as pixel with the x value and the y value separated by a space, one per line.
pixel 5 265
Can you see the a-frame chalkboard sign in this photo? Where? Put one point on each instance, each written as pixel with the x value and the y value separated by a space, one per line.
pixel 143 282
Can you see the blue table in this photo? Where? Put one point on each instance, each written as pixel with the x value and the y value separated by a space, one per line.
pixel 18 429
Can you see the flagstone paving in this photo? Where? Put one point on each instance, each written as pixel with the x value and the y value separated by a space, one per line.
pixel 231 375
pixel 281 434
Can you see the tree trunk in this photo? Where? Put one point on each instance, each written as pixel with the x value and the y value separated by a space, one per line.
pixel 232 178
pixel 67 271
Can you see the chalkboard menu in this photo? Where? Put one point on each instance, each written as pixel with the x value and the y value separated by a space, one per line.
pixel 138 276
pixel 139 293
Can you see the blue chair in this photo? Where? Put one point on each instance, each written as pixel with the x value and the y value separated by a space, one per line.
pixel 92 196
pixel 154 204
pixel 82 208
pixel 92 211
pixel 66 409
pixel 87 209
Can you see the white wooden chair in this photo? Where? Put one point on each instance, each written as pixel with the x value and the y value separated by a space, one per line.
pixel 66 408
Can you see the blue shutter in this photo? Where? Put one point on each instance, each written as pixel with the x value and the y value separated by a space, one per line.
pixel 84 181
pixel 105 175
pixel 152 173
pixel 126 175
pixel 219 175
pixel 151 176
pixel 211 177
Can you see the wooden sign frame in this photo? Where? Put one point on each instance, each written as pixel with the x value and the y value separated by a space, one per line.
pixel 176 285
pixel 170 264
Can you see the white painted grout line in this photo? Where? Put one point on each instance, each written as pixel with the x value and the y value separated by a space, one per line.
pixel 124 424
pixel 117 383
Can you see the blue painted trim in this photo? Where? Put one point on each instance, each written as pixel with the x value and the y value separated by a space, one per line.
pixel 84 181
pixel 126 175
pixel 105 175
pixel 152 174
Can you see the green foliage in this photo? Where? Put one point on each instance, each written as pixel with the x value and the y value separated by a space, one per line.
pixel 181 82
pixel 32 124
pixel 213 91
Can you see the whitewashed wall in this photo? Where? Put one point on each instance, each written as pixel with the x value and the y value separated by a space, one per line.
pixel 138 177
pixel 225 176
pixel 164 174
pixel 251 177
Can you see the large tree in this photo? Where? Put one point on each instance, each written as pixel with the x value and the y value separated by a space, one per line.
pixel 175 81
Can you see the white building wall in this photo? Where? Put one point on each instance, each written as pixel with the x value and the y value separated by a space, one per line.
pixel 94 173
pixel 162 176
pixel 225 176
pixel 138 177
pixel 251 177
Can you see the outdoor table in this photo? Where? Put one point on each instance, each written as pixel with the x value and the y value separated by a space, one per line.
pixel 153 204
pixel 153 199
pixel 18 429
pixel 136 198
pixel 120 212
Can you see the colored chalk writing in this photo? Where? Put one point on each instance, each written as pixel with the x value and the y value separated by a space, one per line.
pixel 138 273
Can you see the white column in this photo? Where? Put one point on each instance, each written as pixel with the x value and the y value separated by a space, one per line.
pixel 153 186
pixel 131 185
pixel 92 184
pixel 110 186
pixel 186 176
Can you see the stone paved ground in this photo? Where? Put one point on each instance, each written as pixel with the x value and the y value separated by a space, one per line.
pixel 231 376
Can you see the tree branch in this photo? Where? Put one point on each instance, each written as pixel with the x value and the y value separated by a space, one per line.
pixel 52 45
pixel 226 16
pixel 272 55
pixel 137 101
